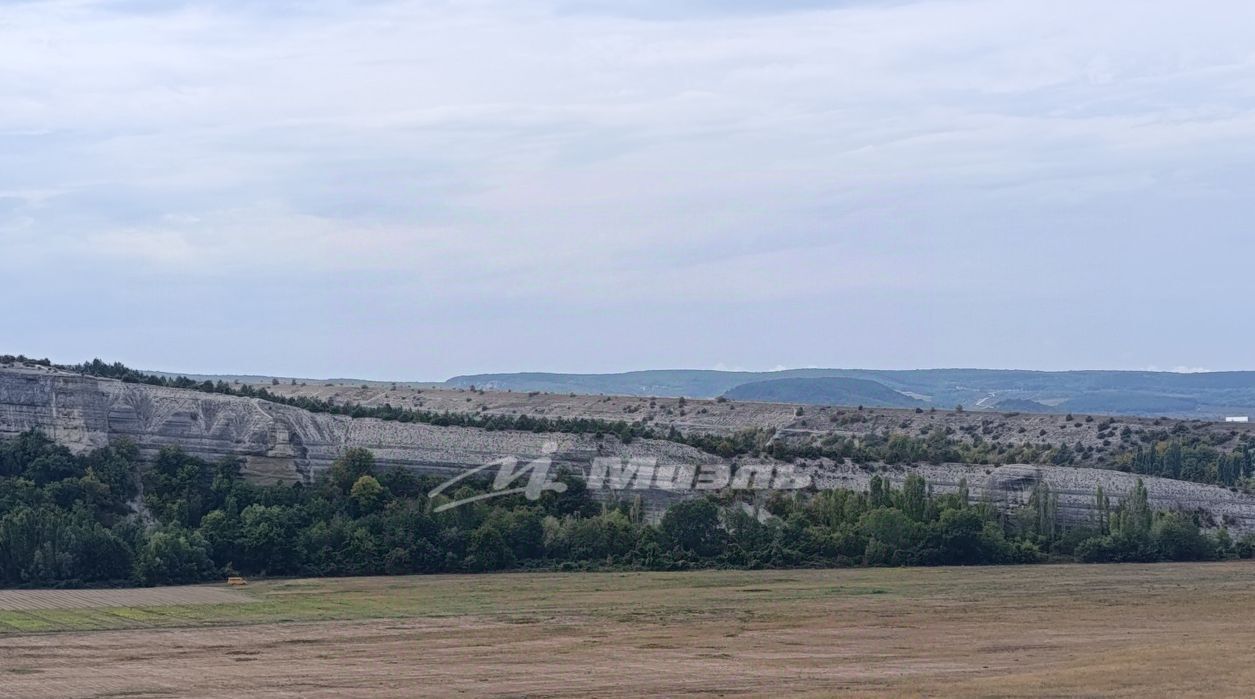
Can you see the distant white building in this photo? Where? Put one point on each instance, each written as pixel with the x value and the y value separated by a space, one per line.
pixel 1242 418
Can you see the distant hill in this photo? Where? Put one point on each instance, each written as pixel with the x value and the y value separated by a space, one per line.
pixel 691 383
pixel 1129 402
pixel 1202 395
pixel 831 390
pixel 1021 405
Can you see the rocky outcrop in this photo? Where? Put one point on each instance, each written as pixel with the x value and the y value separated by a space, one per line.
pixel 1010 486
pixel 278 443
pixel 1100 437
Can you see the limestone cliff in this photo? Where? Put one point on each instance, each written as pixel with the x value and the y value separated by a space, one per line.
pixel 278 443
pixel 1009 487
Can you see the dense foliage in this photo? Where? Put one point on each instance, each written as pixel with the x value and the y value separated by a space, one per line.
pixel 79 519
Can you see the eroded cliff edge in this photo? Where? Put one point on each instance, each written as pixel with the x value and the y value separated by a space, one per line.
pixel 279 443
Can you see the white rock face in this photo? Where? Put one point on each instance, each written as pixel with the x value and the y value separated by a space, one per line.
pixel 279 444
pixel 1009 487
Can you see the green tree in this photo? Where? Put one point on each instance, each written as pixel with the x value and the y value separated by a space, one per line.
pixel 1044 506
pixel 487 549
pixel 1134 514
pixel 173 555
pixel 352 465
pixel 879 492
pixel 1103 509
pixel 367 494
pixel 267 537
pixel 1179 539
pixel 692 526
pixel 914 497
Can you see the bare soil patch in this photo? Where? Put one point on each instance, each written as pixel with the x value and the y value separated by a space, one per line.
pixel 1158 630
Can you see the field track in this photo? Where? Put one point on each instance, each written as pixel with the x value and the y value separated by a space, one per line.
pixel 33 600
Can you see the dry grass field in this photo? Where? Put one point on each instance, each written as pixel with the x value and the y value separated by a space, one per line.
pixel 1154 630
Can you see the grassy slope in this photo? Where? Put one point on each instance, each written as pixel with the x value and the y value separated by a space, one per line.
pixel 824 391
pixel 627 595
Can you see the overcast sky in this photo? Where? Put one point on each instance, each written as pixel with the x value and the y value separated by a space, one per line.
pixel 414 190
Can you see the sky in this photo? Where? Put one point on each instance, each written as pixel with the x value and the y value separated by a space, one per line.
pixel 412 190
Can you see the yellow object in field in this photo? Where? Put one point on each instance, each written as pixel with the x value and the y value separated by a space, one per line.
pixel 236 581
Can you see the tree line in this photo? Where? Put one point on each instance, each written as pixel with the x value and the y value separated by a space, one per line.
pixel 69 520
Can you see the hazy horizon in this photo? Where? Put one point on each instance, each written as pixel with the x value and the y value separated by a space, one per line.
pixel 720 368
pixel 409 190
